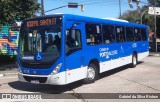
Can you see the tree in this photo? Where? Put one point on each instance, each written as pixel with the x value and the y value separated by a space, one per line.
pixel 154 2
pixel 17 9
pixel 131 16
pixel 135 16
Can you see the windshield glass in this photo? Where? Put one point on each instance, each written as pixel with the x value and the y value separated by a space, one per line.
pixel 40 43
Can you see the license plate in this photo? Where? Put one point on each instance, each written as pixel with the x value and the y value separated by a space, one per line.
pixel 35 81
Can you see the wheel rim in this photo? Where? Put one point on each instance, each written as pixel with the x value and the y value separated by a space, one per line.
pixel 91 73
pixel 134 60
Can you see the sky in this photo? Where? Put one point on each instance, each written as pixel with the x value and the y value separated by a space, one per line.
pixel 92 8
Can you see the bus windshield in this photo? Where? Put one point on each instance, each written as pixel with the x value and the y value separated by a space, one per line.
pixel 40 44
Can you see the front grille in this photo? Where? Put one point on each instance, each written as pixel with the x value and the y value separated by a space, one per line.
pixel 37 64
pixel 40 79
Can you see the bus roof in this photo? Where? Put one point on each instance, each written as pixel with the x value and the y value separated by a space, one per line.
pixel 79 18
pixel 115 19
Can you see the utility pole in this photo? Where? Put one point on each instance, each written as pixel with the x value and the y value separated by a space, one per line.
pixel 120 9
pixel 42 7
pixel 142 15
pixel 155 25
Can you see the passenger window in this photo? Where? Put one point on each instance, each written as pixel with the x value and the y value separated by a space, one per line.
pixel 143 33
pixel 129 34
pixel 137 34
pixel 93 34
pixel 73 39
pixel 108 34
pixel 120 34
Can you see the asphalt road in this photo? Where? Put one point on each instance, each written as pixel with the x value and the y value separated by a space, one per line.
pixel 145 78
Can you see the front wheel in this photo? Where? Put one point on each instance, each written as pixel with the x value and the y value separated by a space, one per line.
pixel 134 61
pixel 92 74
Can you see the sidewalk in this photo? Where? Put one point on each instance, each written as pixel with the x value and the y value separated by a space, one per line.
pixel 157 54
pixel 10 69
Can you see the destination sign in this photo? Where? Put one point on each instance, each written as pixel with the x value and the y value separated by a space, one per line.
pixel 43 22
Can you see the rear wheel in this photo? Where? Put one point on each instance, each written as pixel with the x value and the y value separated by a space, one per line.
pixel 134 61
pixel 92 74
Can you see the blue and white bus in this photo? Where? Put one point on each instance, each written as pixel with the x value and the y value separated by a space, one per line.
pixel 64 48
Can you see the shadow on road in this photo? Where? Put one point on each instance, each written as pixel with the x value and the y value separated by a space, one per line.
pixel 57 89
pixel 43 88
pixel 8 67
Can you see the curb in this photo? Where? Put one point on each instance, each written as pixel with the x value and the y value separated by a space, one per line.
pixel 157 55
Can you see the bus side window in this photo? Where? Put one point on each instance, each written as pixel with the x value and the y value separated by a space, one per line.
pixel 129 34
pixel 137 34
pixel 143 33
pixel 93 34
pixel 108 34
pixel 120 34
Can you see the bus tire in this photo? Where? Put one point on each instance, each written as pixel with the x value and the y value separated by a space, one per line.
pixel 134 61
pixel 92 74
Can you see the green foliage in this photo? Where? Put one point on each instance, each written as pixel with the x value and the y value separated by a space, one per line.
pixel 0 27
pixel 131 16
pixel 135 16
pixel 11 10
pixel 152 2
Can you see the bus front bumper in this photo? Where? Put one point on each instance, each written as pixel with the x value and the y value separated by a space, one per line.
pixel 57 79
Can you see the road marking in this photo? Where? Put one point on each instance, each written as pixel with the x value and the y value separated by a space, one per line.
pixel 1 75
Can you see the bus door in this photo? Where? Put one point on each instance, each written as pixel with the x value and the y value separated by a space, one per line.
pixel 74 55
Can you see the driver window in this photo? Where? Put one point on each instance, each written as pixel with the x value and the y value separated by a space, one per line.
pixel 73 39
pixel 52 41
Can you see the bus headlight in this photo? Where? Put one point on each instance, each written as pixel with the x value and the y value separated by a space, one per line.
pixel 55 71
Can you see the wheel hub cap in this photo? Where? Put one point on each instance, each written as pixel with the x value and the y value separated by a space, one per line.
pixel 134 60
pixel 91 73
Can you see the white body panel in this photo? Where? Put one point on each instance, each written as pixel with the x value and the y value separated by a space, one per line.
pixel 57 79
pixel 62 78
pixel 142 55
pixel 76 74
pixel 108 65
